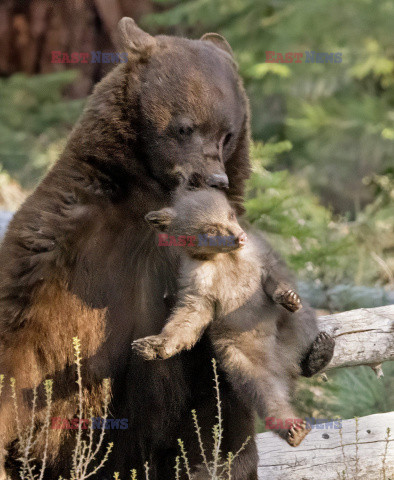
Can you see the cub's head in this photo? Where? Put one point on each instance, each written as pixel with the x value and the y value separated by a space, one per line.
pixel 192 106
pixel 202 215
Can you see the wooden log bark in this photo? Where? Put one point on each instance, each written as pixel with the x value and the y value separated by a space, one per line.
pixel 365 455
pixel 363 337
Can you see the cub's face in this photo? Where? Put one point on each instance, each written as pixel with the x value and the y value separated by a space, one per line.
pixel 193 108
pixel 205 215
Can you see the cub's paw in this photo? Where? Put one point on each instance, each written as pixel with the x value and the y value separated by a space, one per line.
pixel 289 299
pixel 149 348
pixel 319 355
pixel 296 433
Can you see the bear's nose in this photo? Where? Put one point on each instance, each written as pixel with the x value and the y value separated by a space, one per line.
pixel 218 180
pixel 242 238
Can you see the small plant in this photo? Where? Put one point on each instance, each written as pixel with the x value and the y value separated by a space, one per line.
pixel 384 477
pixel 356 474
pixel 146 467
pixel 133 474
pixel 357 439
pixel 217 468
pixel 27 438
pixel 177 468
pixel 86 450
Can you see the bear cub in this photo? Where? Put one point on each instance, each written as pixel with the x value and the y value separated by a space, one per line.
pixel 228 286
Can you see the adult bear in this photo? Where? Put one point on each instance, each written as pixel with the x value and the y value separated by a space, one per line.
pixel 79 259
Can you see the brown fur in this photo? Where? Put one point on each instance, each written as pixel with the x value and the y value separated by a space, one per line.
pixel 79 259
pixel 223 287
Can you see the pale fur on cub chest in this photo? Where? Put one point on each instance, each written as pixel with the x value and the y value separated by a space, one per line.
pixel 232 281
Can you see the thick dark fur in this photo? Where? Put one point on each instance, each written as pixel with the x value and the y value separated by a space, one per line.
pixel 222 289
pixel 79 259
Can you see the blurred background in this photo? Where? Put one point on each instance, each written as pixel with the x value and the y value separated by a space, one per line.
pixel 322 187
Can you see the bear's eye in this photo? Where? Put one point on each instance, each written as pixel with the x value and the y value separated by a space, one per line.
pixel 232 216
pixel 185 130
pixel 227 138
pixel 211 231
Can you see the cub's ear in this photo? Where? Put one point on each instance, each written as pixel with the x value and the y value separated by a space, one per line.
pixel 138 44
pixel 219 41
pixel 161 219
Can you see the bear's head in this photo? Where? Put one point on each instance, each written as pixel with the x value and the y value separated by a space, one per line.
pixel 192 109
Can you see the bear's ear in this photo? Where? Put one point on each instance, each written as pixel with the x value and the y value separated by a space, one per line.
pixel 219 41
pixel 138 44
pixel 161 219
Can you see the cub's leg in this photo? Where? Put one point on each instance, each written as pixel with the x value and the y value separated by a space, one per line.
pixel 182 331
pixel 257 376
pixel 279 415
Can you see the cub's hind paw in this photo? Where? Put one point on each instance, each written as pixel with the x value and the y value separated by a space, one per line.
pixel 296 433
pixel 319 355
pixel 289 299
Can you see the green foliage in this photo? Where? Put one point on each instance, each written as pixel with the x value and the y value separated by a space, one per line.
pixel 34 122
pixel 321 246
pixel 359 392
pixel 348 393
pixel 283 206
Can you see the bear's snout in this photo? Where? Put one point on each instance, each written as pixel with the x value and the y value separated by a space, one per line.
pixel 218 180
pixel 242 239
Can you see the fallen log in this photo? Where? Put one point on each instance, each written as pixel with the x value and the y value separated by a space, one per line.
pixel 363 337
pixel 362 449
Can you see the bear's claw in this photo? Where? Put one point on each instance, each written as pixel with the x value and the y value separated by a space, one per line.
pixel 289 299
pixel 296 434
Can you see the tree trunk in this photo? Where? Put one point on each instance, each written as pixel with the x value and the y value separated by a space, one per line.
pixel 30 30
